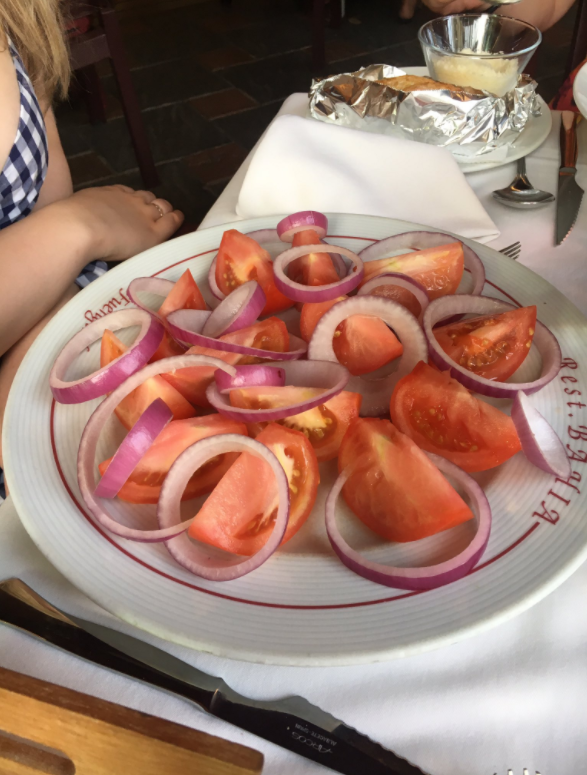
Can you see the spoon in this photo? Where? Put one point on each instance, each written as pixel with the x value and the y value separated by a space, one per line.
pixel 521 193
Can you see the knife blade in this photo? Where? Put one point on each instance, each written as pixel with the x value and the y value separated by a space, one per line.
pixel 570 193
pixel 292 722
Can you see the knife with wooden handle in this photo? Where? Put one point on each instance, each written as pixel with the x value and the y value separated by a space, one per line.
pixel 292 722
pixel 570 193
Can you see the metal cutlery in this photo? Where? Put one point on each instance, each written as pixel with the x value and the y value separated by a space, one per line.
pixel 521 194
pixel 292 722
pixel 570 193
pixel 512 251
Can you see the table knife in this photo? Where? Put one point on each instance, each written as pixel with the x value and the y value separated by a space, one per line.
pixel 292 722
pixel 569 192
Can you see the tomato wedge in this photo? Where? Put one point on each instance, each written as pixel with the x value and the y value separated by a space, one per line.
pixel 324 426
pixel 185 294
pixel 144 484
pixel 192 383
pixel 438 269
pixel 361 343
pixel 393 487
pixel 239 514
pixel 401 295
pixel 493 347
pixel 441 416
pixel 131 408
pixel 241 259
pixel 315 268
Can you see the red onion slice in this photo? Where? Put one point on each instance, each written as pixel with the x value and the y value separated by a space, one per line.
pixel 196 558
pixel 187 327
pixel 241 308
pixel 540 443
pixel 544 339
pixel 89 441
pixel 302 221
pixel 254 375
pixel 330 377
pixel 214 289
pixel 401 281
pixel 376 392
pixel 134 446
pixel 154 285
pixel 420 240
pixel 316 293
pixel 419 578
pixel 264 235
pixel 109 377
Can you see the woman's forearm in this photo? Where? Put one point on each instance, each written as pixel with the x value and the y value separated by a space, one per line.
pixel 40 257
pixel 542 13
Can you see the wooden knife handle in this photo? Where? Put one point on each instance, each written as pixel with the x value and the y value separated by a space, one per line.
pixel 568 138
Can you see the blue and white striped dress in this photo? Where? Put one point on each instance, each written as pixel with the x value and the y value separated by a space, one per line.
pixel 25 170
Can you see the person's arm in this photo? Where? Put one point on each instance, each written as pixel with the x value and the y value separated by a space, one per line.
pixel 542 13
pixel 57 183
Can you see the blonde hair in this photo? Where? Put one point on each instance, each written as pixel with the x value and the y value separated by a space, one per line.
pixel 35 27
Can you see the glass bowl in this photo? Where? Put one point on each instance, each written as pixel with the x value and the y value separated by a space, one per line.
pixel 484 51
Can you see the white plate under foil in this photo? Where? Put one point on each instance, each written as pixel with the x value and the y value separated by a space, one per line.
pixel 303 607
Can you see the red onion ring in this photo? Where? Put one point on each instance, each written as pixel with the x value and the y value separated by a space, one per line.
pixel 241 308
pixel 544 339
pixel 196 558
pixel 420 578
pixel 89 441
pixel 187 327
pixel 376 392
pixel 264 235
pixel 134 446
pixel 109 377
pixel 332 377
pixel 154 285
pixel 254 375
pixel 420 240
pixel 315 293
pixel 539 440
pixel 402 281
pixel 302 221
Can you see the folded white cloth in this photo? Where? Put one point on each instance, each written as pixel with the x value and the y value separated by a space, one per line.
pixel 303 164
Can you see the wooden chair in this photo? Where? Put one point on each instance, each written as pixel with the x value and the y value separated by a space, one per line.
pixel 319 30
pixel 103 40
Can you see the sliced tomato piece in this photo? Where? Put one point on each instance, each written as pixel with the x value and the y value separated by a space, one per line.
pixel 324 426
pixel 192 383
pixel 240 513
pixel 144 484
pixel 441 416
pixel 185 294
pixel 401 295
pixel 241 259
pixel 493 347
pixel 315 268
pixel 361 343
pixel 394 488
pixel 438 269
pixel 131 408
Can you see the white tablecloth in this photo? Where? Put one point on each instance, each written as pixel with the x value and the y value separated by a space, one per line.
pixel 512 697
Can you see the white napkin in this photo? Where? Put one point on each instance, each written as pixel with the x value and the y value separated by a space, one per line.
pixel 303 164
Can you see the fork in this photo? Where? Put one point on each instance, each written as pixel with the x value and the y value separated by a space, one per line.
pixel 512 251
pixel 526 772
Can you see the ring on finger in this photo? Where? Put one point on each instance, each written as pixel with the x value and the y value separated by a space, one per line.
pixel 159 209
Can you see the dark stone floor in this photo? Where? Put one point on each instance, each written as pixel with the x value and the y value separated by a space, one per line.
pixel 211 76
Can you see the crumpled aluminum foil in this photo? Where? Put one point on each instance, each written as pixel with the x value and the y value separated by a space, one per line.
pixel 468 125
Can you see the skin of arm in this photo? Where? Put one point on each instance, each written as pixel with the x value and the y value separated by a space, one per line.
pixel 542 13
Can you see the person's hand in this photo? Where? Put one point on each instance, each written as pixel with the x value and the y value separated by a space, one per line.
pixel 121 222
pixel 445 7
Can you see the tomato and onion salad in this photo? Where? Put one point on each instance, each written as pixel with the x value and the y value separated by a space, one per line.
pixel 395 476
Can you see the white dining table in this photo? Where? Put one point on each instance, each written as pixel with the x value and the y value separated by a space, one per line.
pixel 512 697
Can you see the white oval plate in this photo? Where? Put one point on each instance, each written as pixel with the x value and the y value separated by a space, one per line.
pixel 580 90
pixel 303 607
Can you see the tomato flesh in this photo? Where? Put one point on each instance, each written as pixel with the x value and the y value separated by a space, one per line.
pixel 362 343
pixel 240 513
pixel 493 347
pixel 131 408
pixel 185 294
pixel 439 270
pixel 241 259
pixel 400 295
pixel 192 382
pixel 441 416
pixel 315 268
pixel 393 487
pixel 144 484
pixel 324 425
